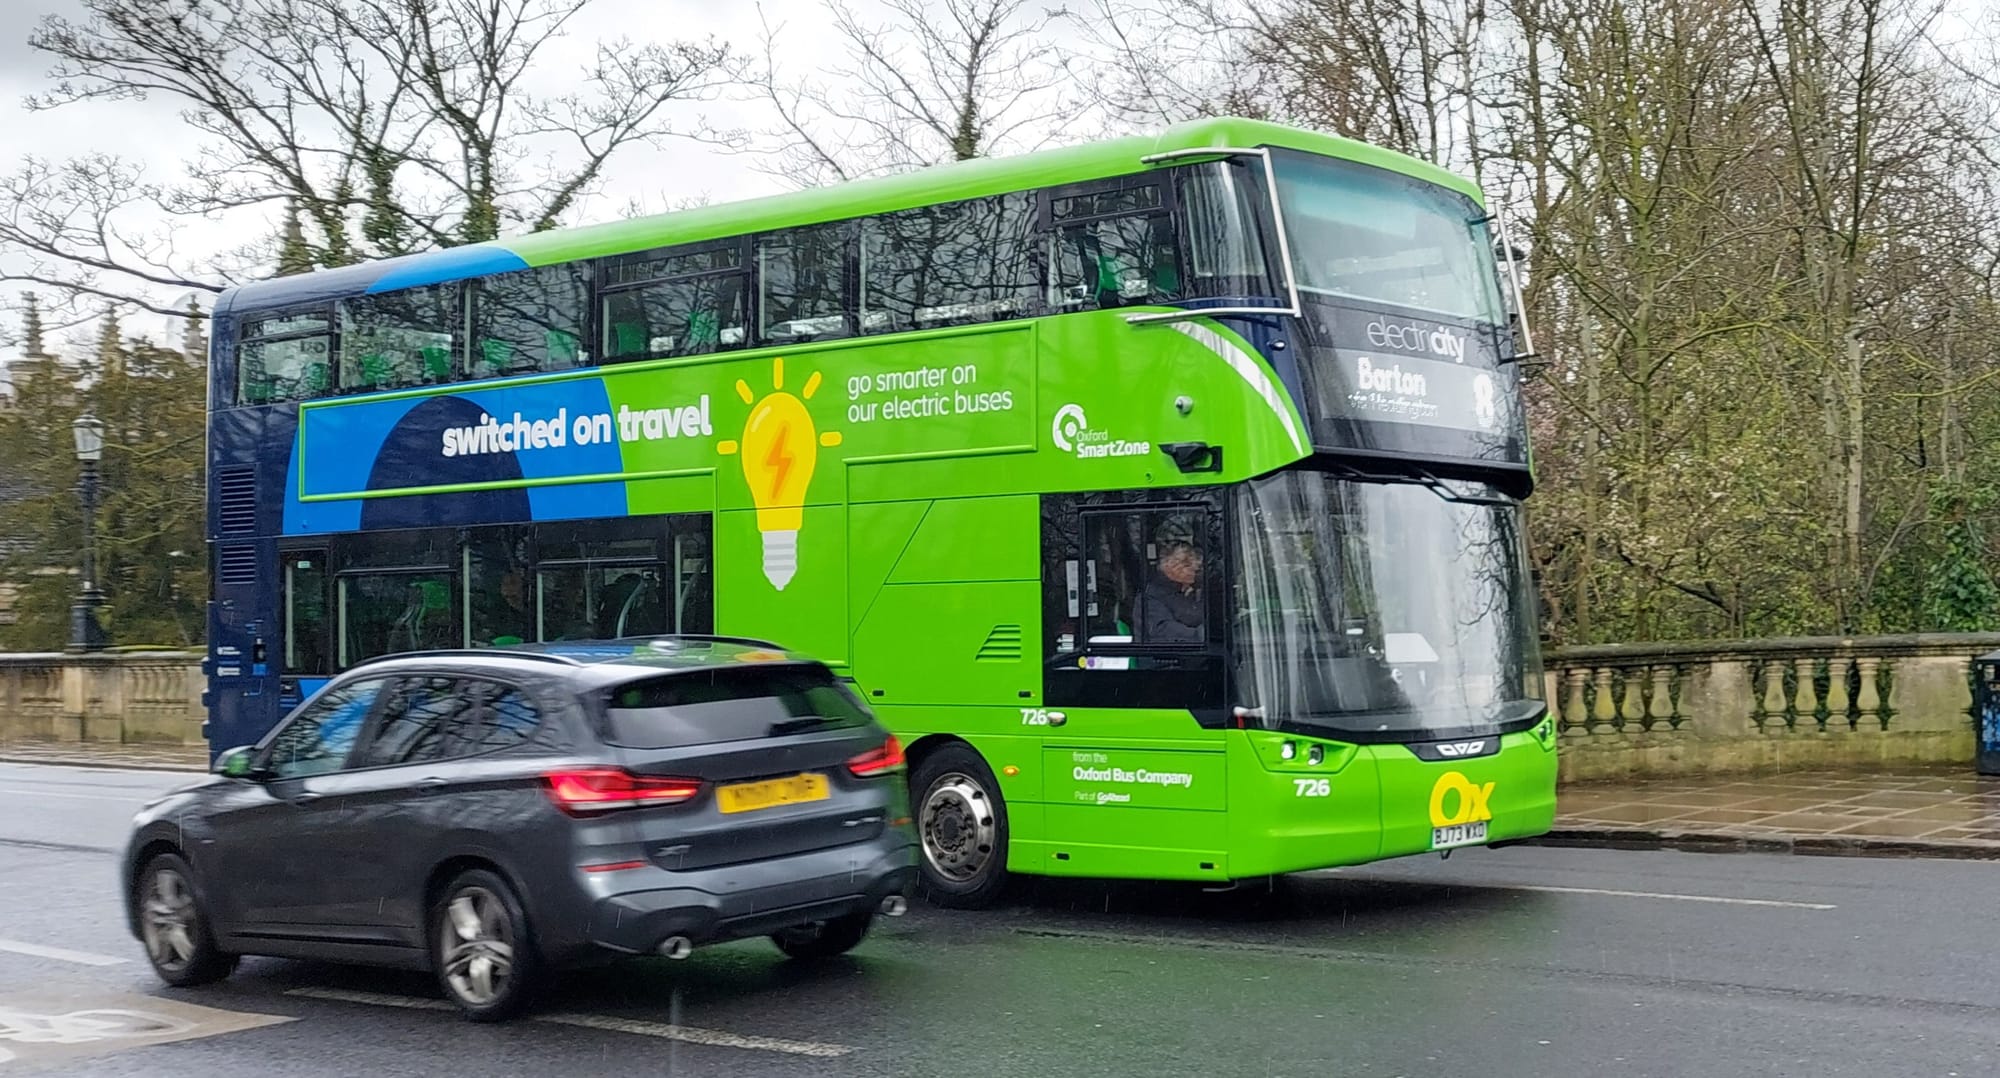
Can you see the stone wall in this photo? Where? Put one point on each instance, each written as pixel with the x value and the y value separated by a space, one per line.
pixel 146 697
pixel 1716 707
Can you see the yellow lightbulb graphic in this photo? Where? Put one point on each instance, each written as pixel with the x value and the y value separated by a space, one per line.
pixel 779 450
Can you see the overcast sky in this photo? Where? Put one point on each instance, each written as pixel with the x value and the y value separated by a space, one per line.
pixel 153 132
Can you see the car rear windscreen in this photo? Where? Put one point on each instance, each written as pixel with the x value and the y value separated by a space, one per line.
pixel 730 704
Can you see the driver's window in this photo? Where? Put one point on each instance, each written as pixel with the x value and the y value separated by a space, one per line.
pixel 1132 603
pixel 320 738
pixel 1143 577
pixel 1125 582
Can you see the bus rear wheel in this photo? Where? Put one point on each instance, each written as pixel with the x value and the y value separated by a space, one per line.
pixel 962 826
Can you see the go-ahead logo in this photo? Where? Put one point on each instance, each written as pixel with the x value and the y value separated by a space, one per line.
pixel 1469 805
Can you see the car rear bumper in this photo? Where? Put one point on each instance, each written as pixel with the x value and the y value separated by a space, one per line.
pixel 741 901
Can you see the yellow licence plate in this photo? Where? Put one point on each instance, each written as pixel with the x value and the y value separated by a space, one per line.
pixel 749 796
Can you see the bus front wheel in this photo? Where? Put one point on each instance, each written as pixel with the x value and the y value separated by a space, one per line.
pixel 962 824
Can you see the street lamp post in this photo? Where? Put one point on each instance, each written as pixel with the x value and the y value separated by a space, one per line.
pixel 85 632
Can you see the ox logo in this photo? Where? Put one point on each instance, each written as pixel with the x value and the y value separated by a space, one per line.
pixel 1467 800
pixel 1457 749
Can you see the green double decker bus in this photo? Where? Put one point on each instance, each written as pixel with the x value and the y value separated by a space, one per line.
pixel 1161 494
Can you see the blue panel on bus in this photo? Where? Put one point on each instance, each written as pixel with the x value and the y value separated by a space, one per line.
pixel 452 264
pixel 411 462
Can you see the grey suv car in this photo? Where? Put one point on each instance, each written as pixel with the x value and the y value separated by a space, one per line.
pixel 490 814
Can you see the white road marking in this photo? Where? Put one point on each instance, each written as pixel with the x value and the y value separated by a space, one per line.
pixel 1606 892
pixel 1718 899
pixel 59 1023
pixel 688 1034
pixel 692 1035
pixel 81 958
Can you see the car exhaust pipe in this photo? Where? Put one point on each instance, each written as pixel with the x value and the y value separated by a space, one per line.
pixel 895 905
pixel 677 947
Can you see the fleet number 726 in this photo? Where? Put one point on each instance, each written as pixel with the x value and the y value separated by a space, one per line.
pixel 1312 787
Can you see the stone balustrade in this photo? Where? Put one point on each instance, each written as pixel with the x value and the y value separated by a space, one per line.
pixel 145 697
pixel 1712 707
pixel 1625 711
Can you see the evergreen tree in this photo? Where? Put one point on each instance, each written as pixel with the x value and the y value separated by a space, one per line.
pixel 149 525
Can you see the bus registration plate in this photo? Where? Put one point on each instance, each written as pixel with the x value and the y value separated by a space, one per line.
pixel 750 796
pixel 1458 834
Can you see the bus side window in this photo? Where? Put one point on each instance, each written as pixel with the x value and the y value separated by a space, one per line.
pixel 675 303
pixel 388 612
pixel 1114 248
pixel 530 320
pixel 398 339
pixel 803 276
pixel 694 591
pixel 498 594
pixel 954 264
pixel 283 357
pixel 305 618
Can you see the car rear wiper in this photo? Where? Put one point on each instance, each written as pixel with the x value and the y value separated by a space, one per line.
pixel 798 726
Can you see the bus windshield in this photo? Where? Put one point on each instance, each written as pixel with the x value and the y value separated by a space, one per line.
pixel 1379 237
pixel 1372 610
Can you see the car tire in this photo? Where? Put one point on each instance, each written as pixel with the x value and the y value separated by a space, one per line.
pixel 481 950
pixel 180 943
pixel 824 939
pixel 961 822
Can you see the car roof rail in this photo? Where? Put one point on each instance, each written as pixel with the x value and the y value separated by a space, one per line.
pixel 466 653
pixel 708 638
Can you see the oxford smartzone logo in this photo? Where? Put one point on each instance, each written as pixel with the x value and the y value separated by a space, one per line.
pixel 1070 425
pixel 1071 432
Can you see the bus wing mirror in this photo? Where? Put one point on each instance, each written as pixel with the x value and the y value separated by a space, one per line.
pixel 1194 456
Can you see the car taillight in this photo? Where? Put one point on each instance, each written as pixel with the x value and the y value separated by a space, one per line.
pixel 879 761
pixel 599 789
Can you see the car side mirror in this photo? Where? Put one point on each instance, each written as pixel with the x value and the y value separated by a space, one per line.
pixel 236 763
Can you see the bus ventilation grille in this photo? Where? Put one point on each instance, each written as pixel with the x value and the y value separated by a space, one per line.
pixel 1003 645
pixel 236 493
pixel 236 565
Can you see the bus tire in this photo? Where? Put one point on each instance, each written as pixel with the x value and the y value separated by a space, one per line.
pixel 961 828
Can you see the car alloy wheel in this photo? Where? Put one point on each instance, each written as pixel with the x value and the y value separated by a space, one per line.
pixel 485 958
pixel 176 935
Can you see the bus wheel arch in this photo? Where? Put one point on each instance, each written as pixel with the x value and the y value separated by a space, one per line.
pixel 961 820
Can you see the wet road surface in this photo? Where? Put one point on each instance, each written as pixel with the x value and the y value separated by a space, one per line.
pixel 1495 963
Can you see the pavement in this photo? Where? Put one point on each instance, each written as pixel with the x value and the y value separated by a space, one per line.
pixel 1530 962
pixel 98 754
pixel 1916 813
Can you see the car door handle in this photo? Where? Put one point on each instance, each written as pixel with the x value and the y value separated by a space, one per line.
pixel 306 798
pixel 430 785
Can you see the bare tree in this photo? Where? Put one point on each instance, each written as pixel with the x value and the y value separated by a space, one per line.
pixel 1407 74
pixel 1145 63
pixel 934 81
pixel 386 126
